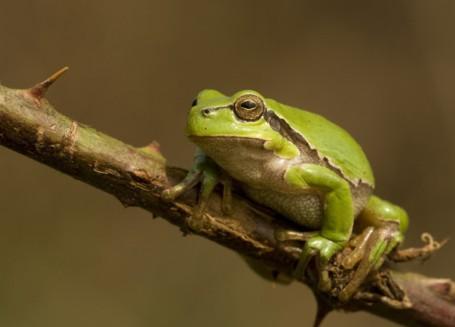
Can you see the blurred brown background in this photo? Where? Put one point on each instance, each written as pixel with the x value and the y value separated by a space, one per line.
pixel 73 256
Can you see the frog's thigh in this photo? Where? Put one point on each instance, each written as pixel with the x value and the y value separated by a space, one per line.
pixel 379 211
pixel 338 210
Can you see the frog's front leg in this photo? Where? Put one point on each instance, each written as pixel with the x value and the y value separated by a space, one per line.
pixel 208 173
pixel 337 221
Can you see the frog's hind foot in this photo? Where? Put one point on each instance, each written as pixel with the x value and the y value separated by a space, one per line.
pixel 370 250
pixel 422 253
pixel 358 243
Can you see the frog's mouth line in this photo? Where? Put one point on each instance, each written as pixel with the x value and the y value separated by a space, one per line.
pixel 224 138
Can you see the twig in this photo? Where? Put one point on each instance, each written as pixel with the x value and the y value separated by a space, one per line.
pixel 137 176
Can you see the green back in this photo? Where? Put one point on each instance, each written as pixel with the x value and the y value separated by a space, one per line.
pixel 330 140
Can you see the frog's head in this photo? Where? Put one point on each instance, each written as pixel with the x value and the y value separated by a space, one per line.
pixel 214 114
pixel 221 124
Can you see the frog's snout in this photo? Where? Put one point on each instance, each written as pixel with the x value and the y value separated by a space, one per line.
pixel 202 115
pixel 198 120
pixel 207 113
pixel 210 121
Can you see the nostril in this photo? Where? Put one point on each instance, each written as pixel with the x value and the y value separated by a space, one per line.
pixel 206 112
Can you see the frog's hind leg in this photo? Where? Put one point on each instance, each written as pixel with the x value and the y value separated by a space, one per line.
pixel 377 214
pixel 375 245
pixel 385 224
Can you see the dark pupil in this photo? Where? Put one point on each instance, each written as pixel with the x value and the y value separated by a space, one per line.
pixel 194 103
pixel 248 104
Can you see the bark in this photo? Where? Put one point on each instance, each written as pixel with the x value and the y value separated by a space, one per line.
pixel 30 125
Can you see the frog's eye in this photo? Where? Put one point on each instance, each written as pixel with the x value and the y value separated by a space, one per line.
pixel 249 107
pixel 194 103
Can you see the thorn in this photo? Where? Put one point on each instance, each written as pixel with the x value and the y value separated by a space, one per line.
pixel 40 89
pixel 153 147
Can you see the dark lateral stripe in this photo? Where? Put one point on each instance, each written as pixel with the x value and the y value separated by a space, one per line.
pixel 281 126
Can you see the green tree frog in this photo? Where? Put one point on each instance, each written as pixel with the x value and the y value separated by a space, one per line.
pixel 295 162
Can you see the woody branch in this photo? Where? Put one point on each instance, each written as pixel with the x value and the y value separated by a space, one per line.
pixel 30 125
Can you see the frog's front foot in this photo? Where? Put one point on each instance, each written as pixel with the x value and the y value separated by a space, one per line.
pixel 317 247
pixel 323 250
pixel 208 183
pixel 206 173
